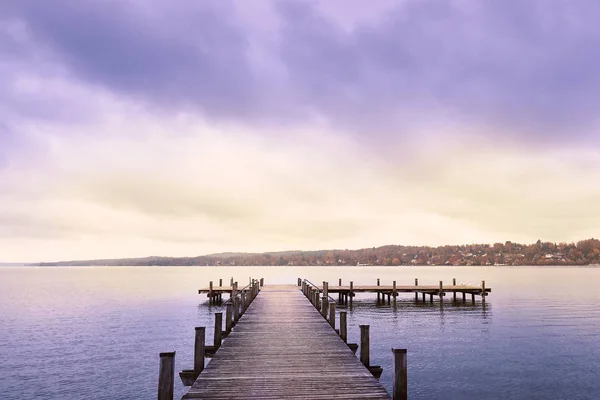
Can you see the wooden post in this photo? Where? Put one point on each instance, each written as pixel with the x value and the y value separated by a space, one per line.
pixel 325 305
pixel 199 349
pixel 243 302
pixel 394 292
pixel 431 297
pixel 351 294
pixel 483 291
pixel 317 300
pixel 364 345
pixel 464 297
pixel 220 282
pixel 299 282
pixel 400 386
pixel 332 315
pixel 423 297
pixel 210 293
pixel 454 293
pixel 473 298
pixel 343 326
pixel 236 310
pixel 166 376
pixel 231 282
pixel 416 293
pixel 218 329
pixel 441 291
pixel 262 282
pixel 378 296
pixel 228 318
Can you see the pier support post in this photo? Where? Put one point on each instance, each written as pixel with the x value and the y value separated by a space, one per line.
pixel 228 318
pixel 394 291
pixel 483 291
pixel 236 310
pixel 423 297
pixel 473 298
pixel 262 282
pixel 325 305
pixel 210 293
pixel 417 294
pixel 441 291
pixel 166 376
pixel 364 345
pixel 199 349
pixel 378 295
pixel 299 282
pixel 344 326
pixel 454 293
pixel 400 386
pixel 317 300
pixel 242 302
pixel 218 330
pixel 220 282
pixel 332 315
pixel 351 293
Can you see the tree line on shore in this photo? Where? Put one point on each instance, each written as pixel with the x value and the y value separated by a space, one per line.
pixel 584 252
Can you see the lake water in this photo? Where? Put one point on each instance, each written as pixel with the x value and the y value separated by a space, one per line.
pixel 85 332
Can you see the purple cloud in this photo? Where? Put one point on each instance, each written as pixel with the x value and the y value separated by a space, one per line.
pixel 523 67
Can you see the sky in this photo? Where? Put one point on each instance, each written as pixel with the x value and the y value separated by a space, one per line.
pixel 134 128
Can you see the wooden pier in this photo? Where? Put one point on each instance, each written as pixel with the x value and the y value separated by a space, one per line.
pixel 282 347
pixel 347 292
pixel 284 343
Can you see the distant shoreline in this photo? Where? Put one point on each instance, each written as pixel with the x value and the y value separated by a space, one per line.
pixel 582 253
pixel 37 265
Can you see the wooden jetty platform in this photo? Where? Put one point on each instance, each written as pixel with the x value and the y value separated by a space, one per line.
pixel 282 347
pixel 347 292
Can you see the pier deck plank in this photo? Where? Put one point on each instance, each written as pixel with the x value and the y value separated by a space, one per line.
pixel 283 348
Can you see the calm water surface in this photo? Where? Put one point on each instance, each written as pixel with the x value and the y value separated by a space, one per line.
pixel 77 333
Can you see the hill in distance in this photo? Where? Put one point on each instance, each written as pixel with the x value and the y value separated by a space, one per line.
pixel 585 252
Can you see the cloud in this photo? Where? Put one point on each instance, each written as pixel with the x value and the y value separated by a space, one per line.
pixel 130 129
pixel 528 68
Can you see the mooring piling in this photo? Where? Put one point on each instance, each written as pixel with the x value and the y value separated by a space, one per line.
pixel 166 376
pixel 364 345
pixel 454 292
pixel 218 330
pixel 325 306
pixel 199 349
pixel 344 326
pixel 228 318
pixel 332 315
pixel 400 386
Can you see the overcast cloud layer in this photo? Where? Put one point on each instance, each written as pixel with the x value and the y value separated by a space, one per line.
pixel 133 128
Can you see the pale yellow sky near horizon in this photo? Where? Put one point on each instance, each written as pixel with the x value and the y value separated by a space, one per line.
pixel 180 187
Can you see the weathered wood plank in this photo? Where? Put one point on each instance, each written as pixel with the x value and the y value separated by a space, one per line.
pixel 283 348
